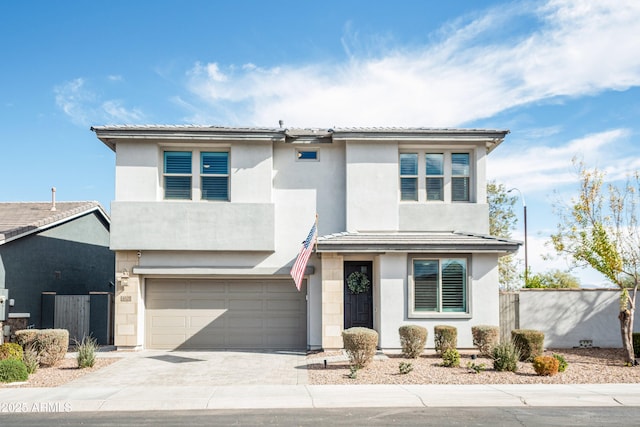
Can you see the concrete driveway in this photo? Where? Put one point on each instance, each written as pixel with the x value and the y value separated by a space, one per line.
pixel 200 368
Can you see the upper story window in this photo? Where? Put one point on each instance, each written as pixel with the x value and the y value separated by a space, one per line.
pixel 310 155
pixel 460 177
pixel 432 176
pixel 438 285
pixel 213 183
pixel 177 175
pixel 214 170
pixel 409 176
pixel 435 176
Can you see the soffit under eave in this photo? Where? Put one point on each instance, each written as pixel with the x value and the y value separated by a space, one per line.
pixel 505 250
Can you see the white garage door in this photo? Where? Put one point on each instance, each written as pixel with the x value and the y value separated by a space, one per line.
pixel 221 314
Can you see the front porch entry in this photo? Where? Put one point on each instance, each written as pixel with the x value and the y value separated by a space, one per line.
pixel 358 307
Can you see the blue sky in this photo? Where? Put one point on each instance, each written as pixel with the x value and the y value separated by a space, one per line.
pixel 563 76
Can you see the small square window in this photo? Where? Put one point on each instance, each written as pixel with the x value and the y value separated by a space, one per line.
pixel 307 155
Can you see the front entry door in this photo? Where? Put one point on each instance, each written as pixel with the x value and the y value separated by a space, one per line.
pixel 358 307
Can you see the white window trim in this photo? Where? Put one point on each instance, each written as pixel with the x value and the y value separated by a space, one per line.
pixel 412 314
pixel 447 177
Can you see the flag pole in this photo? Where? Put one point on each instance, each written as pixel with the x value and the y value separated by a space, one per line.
pixel 315 243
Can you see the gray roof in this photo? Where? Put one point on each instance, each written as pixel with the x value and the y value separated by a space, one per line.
pixel 18 219
pixel 109 135
pixel 433 242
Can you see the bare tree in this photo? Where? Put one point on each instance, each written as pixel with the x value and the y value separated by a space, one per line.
pixel 600 229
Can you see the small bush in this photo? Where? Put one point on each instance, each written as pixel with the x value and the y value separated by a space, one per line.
pixel 636 344
pixel 30 359
pixel 476 368
pixel 562 362
pixel 445 337
pixel 412 339
pixel 529 341
pixel 86 352
pixel 405 367
pixel 12 370
pixel 505 357
pixel 50 344
pixel 10 350
pixel 360 345
pixel 545 365
pixel 353 372
pixel 451 358
pixel 485 337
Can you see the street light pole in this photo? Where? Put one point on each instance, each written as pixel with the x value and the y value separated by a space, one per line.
pixel 526 246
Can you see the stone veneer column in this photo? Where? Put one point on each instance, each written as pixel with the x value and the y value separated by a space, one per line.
pixel 332 301
pixel 127 334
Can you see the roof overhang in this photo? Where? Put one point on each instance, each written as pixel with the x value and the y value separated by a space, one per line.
pixel 418 242
pixel 111 135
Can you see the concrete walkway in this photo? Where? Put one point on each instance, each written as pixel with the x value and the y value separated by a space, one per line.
pixel 154 380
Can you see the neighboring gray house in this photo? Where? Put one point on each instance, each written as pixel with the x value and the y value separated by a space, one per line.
pixel 207 222
pixel 48 252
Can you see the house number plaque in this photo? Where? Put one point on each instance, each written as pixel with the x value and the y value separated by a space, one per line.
pixel 125 298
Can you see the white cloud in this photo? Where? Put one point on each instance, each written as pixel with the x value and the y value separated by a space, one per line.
pixel 540 168
pixel 78 101
pixel 578 47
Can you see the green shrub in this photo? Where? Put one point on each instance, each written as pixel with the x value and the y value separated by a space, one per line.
pixel 360 345
pixel 30 359
pixel 485 337
pixel 545 365
pixel 353 372
pixel 86 352
pixel 529 341
pixel 505 357
pixel 50 344
pixel 562 362
pixel 412 339
pixel 12 370
pixel 451 358
pixel 636 344
pixel 10 350
pixel 476 368
pixel 405 367
pixel 445 337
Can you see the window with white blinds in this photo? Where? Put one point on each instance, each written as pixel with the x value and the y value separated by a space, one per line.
pixel 438 286
pixel 435 176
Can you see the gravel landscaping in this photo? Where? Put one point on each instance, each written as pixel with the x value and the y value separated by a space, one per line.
pixel 63 372
pixel 586 366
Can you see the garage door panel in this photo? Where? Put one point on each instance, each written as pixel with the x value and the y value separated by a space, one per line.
pixel 236 303
pixel 168 321
pixel 206 304
pixel 292 306
pixel 210 314
pixel 200 321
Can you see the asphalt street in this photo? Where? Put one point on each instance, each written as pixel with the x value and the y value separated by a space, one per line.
pixel 483 416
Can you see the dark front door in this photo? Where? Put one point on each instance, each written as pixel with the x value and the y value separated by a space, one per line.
pixel 358 307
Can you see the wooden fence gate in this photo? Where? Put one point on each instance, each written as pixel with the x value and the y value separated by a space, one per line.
pixel 72 312
pixel 509 314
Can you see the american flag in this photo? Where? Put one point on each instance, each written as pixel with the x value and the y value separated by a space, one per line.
pixel 297 271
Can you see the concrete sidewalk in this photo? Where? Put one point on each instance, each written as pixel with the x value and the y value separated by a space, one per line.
pixel 160 380
pixel 136 398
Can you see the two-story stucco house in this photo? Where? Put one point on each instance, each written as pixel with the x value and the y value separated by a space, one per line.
pixel 207 222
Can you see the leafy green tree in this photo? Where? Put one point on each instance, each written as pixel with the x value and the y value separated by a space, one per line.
pixel 502 221
pixel 554 279
pixel 600 229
